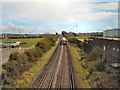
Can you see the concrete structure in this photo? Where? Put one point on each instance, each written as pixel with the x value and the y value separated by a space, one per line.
pixel 112 33
pixel 111 48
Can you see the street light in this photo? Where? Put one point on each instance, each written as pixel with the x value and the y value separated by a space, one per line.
pixel 20 37
pixel 20 40
pixel 30 35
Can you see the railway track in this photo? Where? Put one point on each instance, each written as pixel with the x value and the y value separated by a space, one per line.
pixel 58 72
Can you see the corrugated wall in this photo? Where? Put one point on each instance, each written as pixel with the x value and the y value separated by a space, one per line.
pixel 111 33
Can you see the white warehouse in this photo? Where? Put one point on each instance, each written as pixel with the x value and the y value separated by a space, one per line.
pixel 112 33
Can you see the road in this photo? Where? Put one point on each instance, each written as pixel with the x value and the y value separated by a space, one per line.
pixel 58 72
pixel 5 53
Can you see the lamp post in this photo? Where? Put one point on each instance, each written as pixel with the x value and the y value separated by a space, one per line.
pixel 30 35
pixel 20 40
pixel 20 37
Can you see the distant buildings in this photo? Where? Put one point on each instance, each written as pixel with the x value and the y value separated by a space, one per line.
pixel 16 36
pixel 114 33
pixel 99 34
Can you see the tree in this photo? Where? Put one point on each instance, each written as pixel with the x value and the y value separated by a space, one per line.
pixel 56 33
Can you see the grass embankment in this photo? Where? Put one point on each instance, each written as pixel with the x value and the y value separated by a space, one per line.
pixel 25 42
pixel 23 67
pixel 90 68
pixel 80 72
pixel 27 78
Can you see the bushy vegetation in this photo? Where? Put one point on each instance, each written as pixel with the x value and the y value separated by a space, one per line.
pixel 20 62
pixel 94 68
pixel 82 56
pixel 44 45
pixel 100 65
pixel 72 40
pixel 95 54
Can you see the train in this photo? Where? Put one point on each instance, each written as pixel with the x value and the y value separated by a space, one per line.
pixel 63 41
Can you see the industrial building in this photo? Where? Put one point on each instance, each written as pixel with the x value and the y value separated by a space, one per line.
pixel 114 33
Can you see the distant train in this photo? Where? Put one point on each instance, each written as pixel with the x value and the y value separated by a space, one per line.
pixel 64 41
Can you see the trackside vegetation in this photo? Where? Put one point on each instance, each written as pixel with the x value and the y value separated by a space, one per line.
pixel 21 63
pixel 79 71
pixel 91 69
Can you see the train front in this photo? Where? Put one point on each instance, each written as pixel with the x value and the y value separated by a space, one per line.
pixel 64 41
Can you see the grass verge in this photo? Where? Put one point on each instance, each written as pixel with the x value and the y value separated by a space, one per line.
pixel 27 42
pixel 79 71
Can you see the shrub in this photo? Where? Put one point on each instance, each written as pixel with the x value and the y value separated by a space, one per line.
pixel 100 65
pixel 12 68
pixel 91 70
pixel 52 43
pixel 37 53
pixel 95 54
pixel 87 77
pixel 34 53
pixel 7 81
pixel 44 45
pixel 51 38
pixel 4 73
pixel 72 40
pixel 14 55
pixel 16 63
pixel 29 54
pixel 18 56
pixel 84 65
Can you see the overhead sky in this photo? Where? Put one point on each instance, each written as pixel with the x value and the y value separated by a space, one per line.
pixel 51 16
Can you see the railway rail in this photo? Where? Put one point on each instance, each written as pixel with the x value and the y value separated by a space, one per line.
pixel 58 72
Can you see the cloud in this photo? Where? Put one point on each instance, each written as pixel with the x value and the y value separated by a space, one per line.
pixel 108 6
pixel 55 12
pixel 108 28
pixel 10 27
pixel 101 16
pixel 103 5
pixel 51 30
pixel 59 0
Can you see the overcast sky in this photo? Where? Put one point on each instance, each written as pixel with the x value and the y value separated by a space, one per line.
pixel 53 16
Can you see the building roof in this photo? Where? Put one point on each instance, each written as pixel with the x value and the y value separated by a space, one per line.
pixel 111 29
